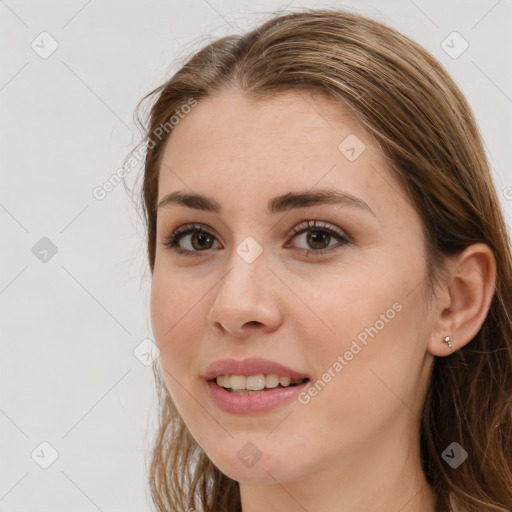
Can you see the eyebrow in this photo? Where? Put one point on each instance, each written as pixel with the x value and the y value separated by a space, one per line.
pixel 282 203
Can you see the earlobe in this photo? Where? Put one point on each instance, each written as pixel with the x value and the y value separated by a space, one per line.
pixel 463 303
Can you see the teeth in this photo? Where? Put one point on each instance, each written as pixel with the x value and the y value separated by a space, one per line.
pixel 272 381
pixel 284 381
pixel 255 382
pixel 237 382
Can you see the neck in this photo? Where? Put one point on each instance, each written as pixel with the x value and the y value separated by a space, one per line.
pixel 386 476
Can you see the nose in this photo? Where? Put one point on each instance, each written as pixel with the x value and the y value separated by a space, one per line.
pixel 246 298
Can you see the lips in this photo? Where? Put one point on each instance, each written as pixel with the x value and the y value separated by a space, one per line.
pixel 247 401
pixel 250 366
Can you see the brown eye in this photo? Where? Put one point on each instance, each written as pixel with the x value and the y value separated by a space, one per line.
pixel 318 239
pixel 201 240
pixel 190 240
pixel 318 236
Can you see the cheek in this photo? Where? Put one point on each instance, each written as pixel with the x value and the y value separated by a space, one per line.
pixel 373 317
pixel 174 314
pixel 351 302
pixel 381 341
pixel 174 309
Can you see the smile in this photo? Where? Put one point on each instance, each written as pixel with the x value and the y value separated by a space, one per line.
pixel 252 384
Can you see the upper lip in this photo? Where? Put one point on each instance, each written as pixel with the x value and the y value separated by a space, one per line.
pixel 250 366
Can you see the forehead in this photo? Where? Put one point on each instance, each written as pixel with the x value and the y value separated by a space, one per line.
pixel 232 119
pixel 295 140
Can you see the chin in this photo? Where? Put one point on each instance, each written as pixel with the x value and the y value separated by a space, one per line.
pixel 265 470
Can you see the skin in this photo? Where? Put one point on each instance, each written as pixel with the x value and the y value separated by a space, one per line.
pixel 354 446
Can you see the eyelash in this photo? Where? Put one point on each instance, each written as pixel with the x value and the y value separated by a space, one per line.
pixel 173 240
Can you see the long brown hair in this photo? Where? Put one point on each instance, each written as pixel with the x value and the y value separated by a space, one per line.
pixel 425 127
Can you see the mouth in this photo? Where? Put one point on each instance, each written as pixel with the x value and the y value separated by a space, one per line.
pixel 252 385
pixel 256 384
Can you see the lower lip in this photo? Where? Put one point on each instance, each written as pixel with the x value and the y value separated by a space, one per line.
pixel 235 403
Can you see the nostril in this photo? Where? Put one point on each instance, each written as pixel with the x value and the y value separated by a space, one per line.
pixel 253 322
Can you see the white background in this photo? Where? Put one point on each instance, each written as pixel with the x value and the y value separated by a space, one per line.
pixel 69 325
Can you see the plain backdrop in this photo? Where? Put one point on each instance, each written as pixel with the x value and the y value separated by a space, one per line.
pixel 75 394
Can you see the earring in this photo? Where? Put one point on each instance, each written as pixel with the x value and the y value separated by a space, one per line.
pixel 447 340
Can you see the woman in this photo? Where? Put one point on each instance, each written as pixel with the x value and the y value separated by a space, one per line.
pixel 331 279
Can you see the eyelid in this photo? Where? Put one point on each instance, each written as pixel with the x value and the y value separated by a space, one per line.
pixel 312 224
pixel 172 241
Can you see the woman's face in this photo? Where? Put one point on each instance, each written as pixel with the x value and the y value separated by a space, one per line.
pixel 341 301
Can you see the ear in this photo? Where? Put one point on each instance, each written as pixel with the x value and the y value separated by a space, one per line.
pixel 463 300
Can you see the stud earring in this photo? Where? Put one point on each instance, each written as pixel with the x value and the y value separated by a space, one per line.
pixel 447 340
